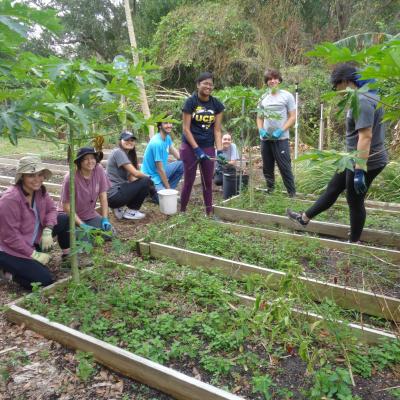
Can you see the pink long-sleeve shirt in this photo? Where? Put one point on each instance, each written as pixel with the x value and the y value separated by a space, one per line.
pixel 17 220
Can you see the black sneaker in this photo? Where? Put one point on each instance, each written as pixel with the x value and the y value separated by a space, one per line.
pixel 296 217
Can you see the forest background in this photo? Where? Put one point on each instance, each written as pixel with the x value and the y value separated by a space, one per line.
pixel 236 40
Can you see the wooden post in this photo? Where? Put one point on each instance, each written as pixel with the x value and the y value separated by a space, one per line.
pixel 321 128
pixel 132 39
pixel 296 125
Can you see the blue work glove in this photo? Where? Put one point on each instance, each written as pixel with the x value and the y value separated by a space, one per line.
pixel 200 155
pixel 263 133
pixel 221 158
pixel 277 133
pixel 359 182
pixel 105 224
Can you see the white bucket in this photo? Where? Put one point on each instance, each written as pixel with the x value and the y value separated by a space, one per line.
pixel 168 199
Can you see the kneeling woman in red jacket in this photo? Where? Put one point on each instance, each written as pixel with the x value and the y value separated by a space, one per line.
pixel 27 216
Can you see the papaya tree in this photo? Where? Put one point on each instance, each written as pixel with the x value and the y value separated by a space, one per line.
pixel 38 95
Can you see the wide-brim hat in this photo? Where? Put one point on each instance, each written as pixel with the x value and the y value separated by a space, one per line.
pixel 83 151
pixel 31 165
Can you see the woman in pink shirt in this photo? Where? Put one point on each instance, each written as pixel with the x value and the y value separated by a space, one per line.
pixel 91 184
pixel 27 216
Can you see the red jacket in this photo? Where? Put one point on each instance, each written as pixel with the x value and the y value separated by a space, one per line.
pixel 17 220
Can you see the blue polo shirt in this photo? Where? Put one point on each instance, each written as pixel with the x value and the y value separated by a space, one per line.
pixel 156 150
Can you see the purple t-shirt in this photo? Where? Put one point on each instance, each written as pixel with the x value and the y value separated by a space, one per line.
pixel 86 192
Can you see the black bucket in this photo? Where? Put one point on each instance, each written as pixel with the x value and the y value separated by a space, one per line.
pixel 231 182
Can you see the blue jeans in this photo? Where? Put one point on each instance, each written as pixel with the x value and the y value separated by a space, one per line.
pixel 174 172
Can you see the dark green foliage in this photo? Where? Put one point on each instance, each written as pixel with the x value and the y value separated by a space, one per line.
pixel 331 384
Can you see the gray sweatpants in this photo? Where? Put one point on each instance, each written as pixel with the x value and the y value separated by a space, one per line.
pixel 277 151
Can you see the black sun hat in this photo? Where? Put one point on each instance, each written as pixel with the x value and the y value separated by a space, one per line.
pixel 83 151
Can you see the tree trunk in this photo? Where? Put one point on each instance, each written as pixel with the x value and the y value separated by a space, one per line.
pixel 72 238
pixel 132 40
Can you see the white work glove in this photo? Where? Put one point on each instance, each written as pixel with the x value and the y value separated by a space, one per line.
pixel 43 258
pixel 46 243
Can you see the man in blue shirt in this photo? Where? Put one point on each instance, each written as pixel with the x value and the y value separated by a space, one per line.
pixel 155 160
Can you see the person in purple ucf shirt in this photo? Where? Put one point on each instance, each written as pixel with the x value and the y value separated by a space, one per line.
pixel 91 184
pixel 202 118
pixel 27 217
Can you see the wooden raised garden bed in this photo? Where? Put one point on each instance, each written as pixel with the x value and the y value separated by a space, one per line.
pixel 383 238
pixel 168 380
pixel 345 297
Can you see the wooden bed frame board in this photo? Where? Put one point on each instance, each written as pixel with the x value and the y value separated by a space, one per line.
pixel 393 255
pixel 380 237
pixel 371 204
pixel 165 379
pixel 363 333
pixel 345 297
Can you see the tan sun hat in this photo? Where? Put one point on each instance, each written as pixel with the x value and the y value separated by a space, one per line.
pixel 31 165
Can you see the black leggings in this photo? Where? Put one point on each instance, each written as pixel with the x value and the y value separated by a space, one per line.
pixel 338 183
pixel 25 270
pixel 131 194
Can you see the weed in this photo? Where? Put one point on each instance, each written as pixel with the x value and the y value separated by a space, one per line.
pixel 86 366
pixel 331 384
pixel 14 359
pixel 263 385
pixel 395 393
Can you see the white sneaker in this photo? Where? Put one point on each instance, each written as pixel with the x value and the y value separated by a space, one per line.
pixel 133 214
pixel 119 212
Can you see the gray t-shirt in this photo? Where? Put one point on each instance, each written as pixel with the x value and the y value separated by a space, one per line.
pixel 231 152
pixel 370 116
pixel 115 172
pixel 278 107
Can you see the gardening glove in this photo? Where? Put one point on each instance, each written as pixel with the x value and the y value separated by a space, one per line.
pixel 46 242
pixel 221 158
pixel 43 258
pixel 263 133
pixel 277 133
pixel 200 155
pixel 359 182
pixel 105 224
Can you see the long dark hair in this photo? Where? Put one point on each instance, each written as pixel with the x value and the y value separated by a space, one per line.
pixel 131 155
pixel 19 183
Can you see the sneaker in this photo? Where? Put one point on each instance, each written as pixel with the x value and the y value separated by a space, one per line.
pixel 296 217
pixel 119 212
pixel 133 214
